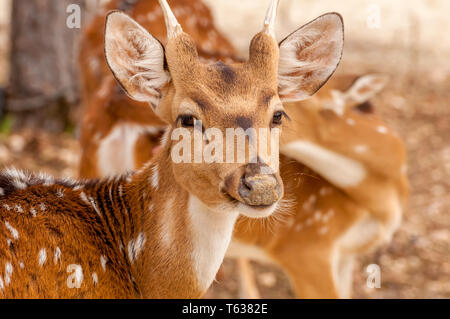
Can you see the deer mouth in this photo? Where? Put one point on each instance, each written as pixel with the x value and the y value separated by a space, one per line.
pixel 251 210
pixel 249 186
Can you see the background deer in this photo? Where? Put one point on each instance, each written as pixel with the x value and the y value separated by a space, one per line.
pixel 349 184
pixel 161 232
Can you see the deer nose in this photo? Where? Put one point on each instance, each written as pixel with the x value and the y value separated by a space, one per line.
pixel 256 185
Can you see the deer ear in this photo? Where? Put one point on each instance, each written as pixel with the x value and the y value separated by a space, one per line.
pixel 309 56
pixel 135 58
pixel 365 88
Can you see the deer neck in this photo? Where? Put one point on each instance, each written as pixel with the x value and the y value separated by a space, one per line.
pixel 184 242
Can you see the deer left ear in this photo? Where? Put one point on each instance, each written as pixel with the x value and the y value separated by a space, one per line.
pixel 309 56
pixel 136 58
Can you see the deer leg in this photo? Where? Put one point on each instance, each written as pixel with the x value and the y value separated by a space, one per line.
pixel 247 284
pixel 312 273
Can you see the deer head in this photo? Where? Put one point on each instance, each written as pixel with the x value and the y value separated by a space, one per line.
pixel 186 93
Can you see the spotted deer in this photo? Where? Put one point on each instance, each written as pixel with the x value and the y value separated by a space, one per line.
pixel 162 231
pixel 326 217
pixel 346 173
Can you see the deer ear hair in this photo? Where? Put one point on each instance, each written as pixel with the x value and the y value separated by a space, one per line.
pixel 136 58
pixel 309 56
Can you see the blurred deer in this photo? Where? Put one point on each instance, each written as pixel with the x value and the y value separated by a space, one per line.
pixel 330 139
pixel 162 231
pixel 346 172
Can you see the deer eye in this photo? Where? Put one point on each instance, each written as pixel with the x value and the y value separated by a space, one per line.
pixel 278 118
pixel 186 120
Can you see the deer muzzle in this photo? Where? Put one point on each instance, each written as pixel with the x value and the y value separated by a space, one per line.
pixel 255 185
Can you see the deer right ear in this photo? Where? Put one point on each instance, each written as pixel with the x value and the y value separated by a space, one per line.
pixel 135 58
pixel 309 56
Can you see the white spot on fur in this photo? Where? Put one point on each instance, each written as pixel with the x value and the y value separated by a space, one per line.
pixel 33 212
pixel 337 169
pixel 2 192
pixel 325 191
pixel 84 198
pixel 404 169
pixel 166 227
pixel 165 137
pixel 42 207
pixel 57 255
pixel 309 203
pixel 60 193
pixel 361 149
pixel 94 205
pixel 9 242
pixel 7 207
pixel 18 209
pixel 12 230
pixel 382 129
pixel 90 201
pixel 323 230
pixel 2 285
pixel 329 214
pixel 317 215
pixel 19 184
pixel 103 90
pixel 152 16
pixel 135 246
pixel 155 177
pixel 42 256
pixel 95 278
pixel 21 265
pixel 211 235
pixel 8 273
pixel 76 276
pixel 78 187
pixel 350 122
pixel 103 262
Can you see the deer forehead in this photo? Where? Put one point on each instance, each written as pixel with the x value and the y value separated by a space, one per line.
pixel 223 79
pixel 225 82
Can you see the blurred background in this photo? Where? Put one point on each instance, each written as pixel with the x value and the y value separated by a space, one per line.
pixel 407 39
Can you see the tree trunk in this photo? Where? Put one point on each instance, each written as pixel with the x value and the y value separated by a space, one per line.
pixel 43 78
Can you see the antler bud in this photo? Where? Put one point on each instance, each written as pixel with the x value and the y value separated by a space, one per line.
pixel 269 22
pixel 173 27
